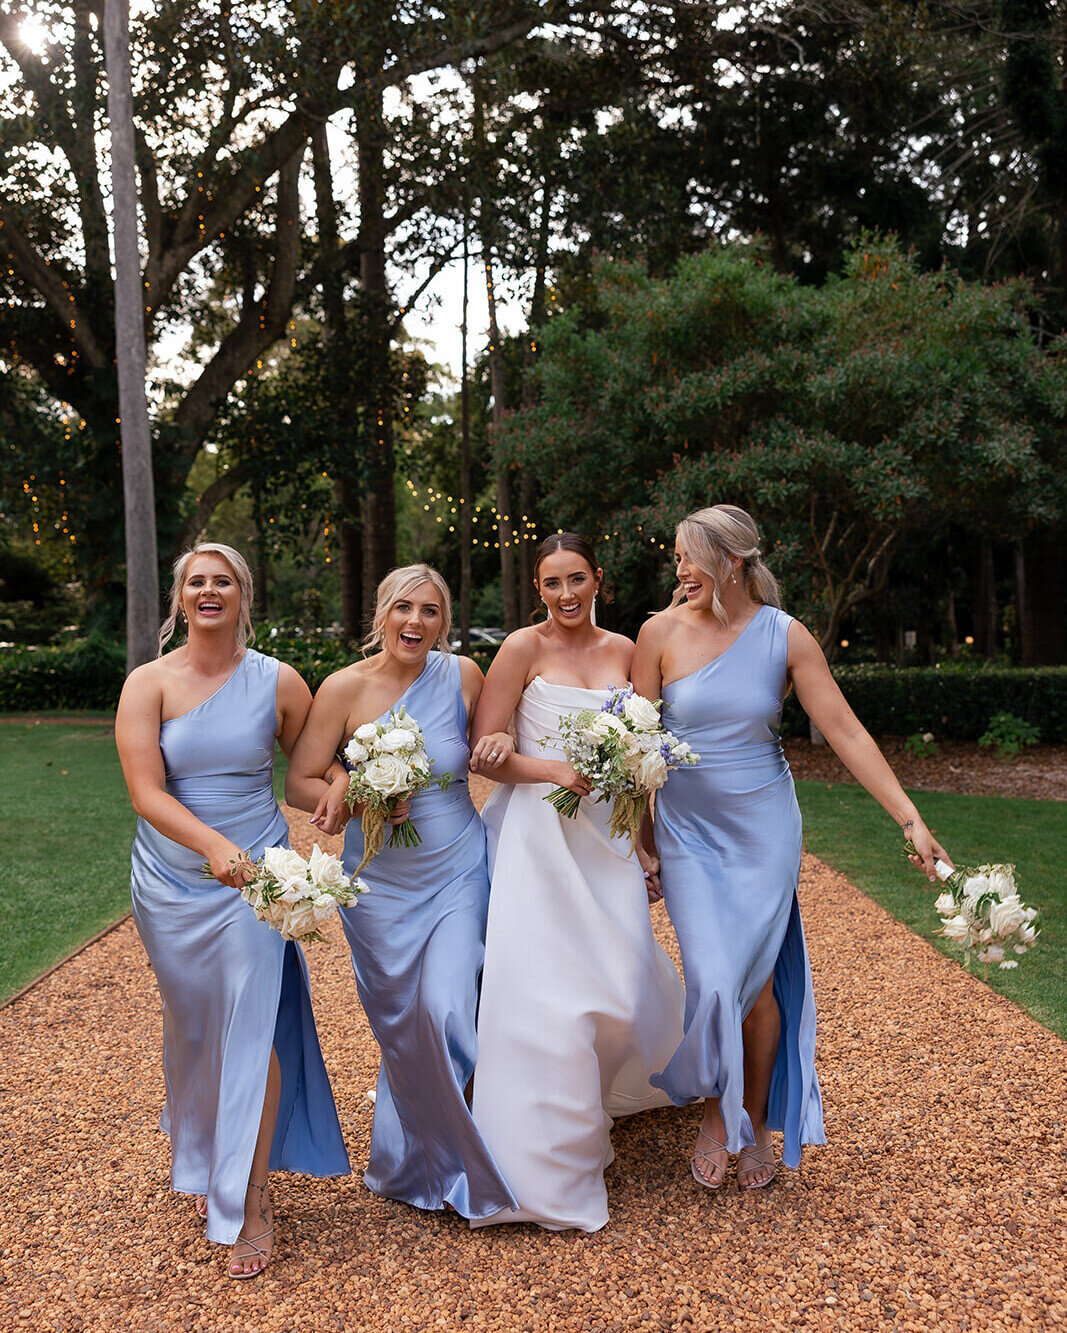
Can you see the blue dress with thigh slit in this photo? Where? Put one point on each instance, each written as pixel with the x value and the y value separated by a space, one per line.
pixel 729 838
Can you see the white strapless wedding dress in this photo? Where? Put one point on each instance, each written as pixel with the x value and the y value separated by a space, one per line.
pixel 579 1004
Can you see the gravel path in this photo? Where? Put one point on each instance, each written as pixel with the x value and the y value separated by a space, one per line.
pixel 938 1203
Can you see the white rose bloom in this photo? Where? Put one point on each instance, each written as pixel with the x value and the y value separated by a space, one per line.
pixel 395 740
pixel 652 773
pixel 326 870
pixel 681 750
pixel 957 929
pixel 406 722
pixel 300 919
pixel 975 886
pixel 642 712
pixel 295 888
pixel 945 905
pixel 356 752
pixel 994 954
pixel 602 726
pixel 1027 934
pixel 323 906
pixel 388 775
pixel 1006 916
pixel 1001 882
pixel 283 863
pixel 367 731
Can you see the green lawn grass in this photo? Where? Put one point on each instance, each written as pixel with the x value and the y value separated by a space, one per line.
pixel 67 827
pixel 65 838
pixel 846 828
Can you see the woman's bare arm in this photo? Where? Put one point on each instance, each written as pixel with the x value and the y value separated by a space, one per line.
pixel 822 700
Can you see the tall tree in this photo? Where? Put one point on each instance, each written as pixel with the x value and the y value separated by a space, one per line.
pixel 142 565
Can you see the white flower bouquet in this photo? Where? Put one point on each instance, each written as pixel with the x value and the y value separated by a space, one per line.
pixel 981 910
pixel 625 751
pixel 294 896
pixel 389 764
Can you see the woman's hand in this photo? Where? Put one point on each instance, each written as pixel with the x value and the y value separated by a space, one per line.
pixel 928 848
pixel 332 812
pixel 229 864
pixel 401 811
pixel 491 751
pixel 566 775
pixel 650 865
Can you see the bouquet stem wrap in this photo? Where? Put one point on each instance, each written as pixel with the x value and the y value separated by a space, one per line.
pixel 627 813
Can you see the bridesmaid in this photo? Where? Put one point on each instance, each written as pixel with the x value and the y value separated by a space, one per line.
pixel 418 937
pixel 722 657
pixel 246 1087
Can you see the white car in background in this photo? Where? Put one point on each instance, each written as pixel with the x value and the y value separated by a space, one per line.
pixel 482 636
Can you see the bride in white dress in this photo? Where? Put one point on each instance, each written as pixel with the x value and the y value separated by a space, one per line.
pixel 579 1004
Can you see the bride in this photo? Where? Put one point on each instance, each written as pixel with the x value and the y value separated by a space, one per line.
pixel 579 1003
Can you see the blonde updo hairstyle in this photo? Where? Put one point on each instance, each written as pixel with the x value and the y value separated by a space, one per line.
pixel 401 583
pixel 246 635
pixel 712 539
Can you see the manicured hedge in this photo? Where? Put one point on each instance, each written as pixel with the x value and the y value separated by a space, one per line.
pixel 953 702
pixel 85 674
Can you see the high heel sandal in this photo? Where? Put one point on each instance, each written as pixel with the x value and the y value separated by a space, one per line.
pixel 698 1151
pixel 257 1252
pixel 756 1155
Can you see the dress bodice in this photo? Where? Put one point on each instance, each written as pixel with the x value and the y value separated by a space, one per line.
pixel 435 700
pixel 733 703
pixel 224 747
pixel 538 714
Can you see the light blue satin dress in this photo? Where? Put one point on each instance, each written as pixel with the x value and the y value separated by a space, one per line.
pixel 729 839
pixel 418 940
pixel 231 986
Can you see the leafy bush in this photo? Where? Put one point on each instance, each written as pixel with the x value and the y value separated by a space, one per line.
pixel 921 744
pixel 315 654
pixel 85 674
pixel 958 701
pixel 1009 734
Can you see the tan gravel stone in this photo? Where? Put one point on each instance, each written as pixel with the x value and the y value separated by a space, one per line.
pixel 938 1203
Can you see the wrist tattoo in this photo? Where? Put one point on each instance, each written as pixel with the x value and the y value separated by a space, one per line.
pixel 907 827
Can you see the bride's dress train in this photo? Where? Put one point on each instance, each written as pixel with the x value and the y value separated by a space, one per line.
pixel 579 1004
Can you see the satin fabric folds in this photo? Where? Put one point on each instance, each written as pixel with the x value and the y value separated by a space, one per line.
pixel 729 839
pixel 231 986
pixel 417 941
pixel 579 1002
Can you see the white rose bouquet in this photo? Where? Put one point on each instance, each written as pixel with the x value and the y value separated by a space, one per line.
pixel 625 751
pixel 982 911
pixel 389 764
pixel 294 896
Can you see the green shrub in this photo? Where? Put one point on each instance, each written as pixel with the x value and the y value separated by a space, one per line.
pixel 958 701
pixel 1009 734
pixel 313 653
pixel 921 744
pixel 85 674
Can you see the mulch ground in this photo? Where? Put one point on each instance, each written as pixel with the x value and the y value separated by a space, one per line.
pixel 937 1203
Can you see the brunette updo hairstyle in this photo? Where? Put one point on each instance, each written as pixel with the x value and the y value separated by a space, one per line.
pixel 574 542
pixel 712 538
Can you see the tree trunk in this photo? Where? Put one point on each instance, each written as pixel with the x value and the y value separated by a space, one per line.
pixel 379 502
pixel 985 602
pixel 1022 608
pixel 466 499
pixel 142 561
pixel 527 490
pixel 338 344
pixel 504 525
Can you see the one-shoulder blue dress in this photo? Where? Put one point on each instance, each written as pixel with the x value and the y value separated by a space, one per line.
pixel 729 838
pixel 231 986
pixel 418 942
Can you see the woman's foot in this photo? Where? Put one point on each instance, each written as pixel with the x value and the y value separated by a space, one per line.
pixel 756 1166
pixel 201 1207
pixel 252 1249
pixel 710 1157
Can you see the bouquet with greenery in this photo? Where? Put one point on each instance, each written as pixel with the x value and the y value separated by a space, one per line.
pixel 625 752
pixel 389 764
